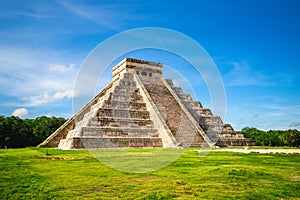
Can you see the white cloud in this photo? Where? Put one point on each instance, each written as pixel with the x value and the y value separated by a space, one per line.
pixel 22 71
pixel 61 69
pixel 20 112
pixel 64 94
pixel 29 77
pixel 47 98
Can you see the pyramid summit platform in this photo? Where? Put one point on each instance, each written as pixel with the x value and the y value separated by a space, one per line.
pixel 138 109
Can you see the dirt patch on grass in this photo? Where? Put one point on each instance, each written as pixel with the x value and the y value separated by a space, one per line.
pixel 264 151
pixel 296 178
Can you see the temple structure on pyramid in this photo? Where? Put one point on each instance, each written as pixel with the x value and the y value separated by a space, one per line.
pixel 139 108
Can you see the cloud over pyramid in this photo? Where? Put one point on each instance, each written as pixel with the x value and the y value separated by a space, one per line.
pixel 139 108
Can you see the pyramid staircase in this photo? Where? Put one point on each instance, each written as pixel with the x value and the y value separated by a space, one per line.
pixel 141 109
pixel 119 119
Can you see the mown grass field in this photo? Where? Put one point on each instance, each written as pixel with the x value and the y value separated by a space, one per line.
pixel 31 174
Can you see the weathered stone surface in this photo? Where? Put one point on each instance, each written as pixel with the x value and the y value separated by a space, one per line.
pixel 141 109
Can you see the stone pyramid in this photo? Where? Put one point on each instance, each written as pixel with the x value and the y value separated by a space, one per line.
pixel 141 109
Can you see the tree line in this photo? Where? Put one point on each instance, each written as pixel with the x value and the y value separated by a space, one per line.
pixel 273 137
pixel 16 132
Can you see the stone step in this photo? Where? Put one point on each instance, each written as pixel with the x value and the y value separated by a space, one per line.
pixel 125 122
pixel 214 127
pixel 177 90
pixel 227 128
pixel 211 120
pixel 170 82
pixel 74 132
pixel 198 113
pixel 192 105
pixel 185 97
pixel 195 104
pixel 211 127
pixel 84 119
pixel 204 112
pixel 125 89
pixel 124 82
pixel 128 97
pixel 118 132
pixel 223 142
pixel 122 113
pixel 134 92
pixel 189 137
pixel 124 105
pixel 211 123
pixel 231 135
pixel 80 123
pixel 116 142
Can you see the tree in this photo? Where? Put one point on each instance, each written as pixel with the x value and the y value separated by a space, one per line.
pixel 273 137
pixel 45 126
pixel 291 138
pixel 15 132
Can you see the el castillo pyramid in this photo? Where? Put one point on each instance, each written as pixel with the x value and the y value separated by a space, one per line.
pixel 139 108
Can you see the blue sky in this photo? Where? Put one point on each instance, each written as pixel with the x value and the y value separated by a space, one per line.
pixel 255 45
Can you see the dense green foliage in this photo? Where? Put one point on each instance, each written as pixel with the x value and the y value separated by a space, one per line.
pixel 16 132
pixel 32 174
pixel 273 137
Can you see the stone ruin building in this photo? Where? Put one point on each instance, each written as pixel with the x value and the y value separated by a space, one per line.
pixel 139 108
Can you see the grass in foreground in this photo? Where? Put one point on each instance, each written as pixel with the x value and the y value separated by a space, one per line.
pixel 31 174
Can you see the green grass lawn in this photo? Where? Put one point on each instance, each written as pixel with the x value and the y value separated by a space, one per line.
pixel 31 174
